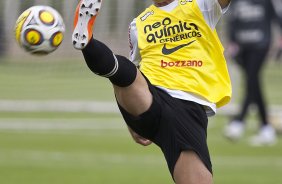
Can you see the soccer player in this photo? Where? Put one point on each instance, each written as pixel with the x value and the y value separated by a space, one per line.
pixel 175 78
pixel 250 38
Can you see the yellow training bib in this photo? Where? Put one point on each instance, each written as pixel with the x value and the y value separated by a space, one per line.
pixel 179 51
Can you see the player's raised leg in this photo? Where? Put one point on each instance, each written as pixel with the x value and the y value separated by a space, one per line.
pixel 129 84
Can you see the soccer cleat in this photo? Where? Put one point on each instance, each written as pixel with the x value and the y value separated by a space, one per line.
pixel 265 137
pixel 234 130
pixel 85 15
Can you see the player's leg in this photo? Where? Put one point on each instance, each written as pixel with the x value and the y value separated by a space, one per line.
pixel 248 98
pixel 182 136
pixel 135 98
pixel 255 63
pixel 129 84
pixel 190 169
pixel 266 134
pixel 235 129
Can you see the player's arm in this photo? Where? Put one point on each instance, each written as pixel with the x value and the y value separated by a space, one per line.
pixel 213 10
pixel 139 139
pixel 134 55
pixel 224 3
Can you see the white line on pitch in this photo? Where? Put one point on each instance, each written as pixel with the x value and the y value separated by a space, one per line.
pixel 62 124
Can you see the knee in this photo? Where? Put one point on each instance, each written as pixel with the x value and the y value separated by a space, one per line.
pixel 136 98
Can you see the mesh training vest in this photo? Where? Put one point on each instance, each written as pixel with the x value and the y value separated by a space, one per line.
pixel 179 51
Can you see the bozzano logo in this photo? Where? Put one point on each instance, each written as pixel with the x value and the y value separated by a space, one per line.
pixel 165 31
pixel 184 63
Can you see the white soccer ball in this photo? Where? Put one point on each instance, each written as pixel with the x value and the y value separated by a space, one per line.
pixel 40 30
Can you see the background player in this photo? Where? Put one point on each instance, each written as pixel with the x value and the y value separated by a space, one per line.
pixel 250 31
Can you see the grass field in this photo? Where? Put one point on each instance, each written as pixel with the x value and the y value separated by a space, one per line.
pixel 72 80
pixel 91 148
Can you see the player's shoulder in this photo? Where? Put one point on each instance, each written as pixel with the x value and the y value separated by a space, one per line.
pixel 133 23
pixel 132 26
pixel 206 4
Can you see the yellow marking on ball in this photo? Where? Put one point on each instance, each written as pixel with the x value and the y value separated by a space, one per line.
pixel 19 24
pixel 58 38
pixel 33 37
pixel 46 17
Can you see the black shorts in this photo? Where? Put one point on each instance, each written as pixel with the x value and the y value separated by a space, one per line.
pixel 174 125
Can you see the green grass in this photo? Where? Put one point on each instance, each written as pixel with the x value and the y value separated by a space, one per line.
pixel 84 148
pixel 47 80
pixel 87 154
pixel 72 80
pixel 76 156
pixel 237 162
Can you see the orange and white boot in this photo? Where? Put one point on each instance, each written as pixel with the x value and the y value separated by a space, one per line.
pixel 85 15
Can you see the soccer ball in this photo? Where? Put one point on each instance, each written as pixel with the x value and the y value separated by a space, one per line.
pixel 40 30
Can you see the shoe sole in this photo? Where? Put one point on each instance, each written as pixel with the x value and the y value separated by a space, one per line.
pixel 86 13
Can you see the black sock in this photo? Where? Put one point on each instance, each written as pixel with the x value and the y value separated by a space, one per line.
pixel 101 61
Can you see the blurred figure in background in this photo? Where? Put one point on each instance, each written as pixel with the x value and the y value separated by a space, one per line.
pixel 2 30
pixel 250 37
